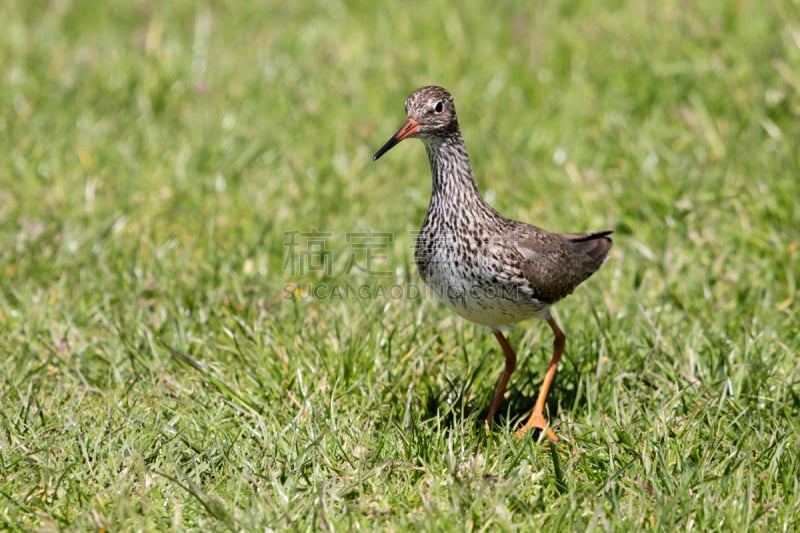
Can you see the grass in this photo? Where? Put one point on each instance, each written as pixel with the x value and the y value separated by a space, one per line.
pixel 164 367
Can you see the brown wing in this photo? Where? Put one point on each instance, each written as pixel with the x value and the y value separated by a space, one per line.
pixel 555 263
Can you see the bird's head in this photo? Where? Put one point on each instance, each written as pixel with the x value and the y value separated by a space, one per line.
pixel 430 113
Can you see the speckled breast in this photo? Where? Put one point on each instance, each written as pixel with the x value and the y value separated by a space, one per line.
pixel 466 279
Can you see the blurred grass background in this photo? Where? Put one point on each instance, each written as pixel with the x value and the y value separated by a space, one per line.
pixel 156 153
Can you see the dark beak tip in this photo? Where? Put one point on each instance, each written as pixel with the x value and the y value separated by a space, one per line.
pixel 385 148
pixel 409 129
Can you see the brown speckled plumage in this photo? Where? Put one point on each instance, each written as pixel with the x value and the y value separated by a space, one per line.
pixel 489 269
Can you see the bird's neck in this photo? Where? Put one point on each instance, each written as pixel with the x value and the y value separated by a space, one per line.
pixel 453 185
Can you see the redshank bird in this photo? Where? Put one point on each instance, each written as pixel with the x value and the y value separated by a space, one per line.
pixel 487 268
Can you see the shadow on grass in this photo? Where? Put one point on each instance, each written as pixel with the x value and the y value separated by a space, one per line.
pixel 453 405
pixel 456 403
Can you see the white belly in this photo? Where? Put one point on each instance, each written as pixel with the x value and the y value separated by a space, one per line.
pixel 486 300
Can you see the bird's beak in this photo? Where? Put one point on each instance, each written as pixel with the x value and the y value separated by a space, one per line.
pixel 407 130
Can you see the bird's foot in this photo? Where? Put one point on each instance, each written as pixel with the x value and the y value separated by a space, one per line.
pixel 536 421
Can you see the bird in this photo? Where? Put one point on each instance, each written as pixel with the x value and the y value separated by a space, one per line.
pixel 489 269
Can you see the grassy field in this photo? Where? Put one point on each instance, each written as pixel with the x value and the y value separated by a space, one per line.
pixel 194 176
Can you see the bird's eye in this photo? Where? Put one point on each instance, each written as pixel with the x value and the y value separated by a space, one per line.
pixel 439 107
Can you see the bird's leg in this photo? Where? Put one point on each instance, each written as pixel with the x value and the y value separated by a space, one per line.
pixel 537 417
pixel 511 364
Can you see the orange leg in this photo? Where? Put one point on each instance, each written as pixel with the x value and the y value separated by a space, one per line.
pixel 511 364
pixel 537 417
